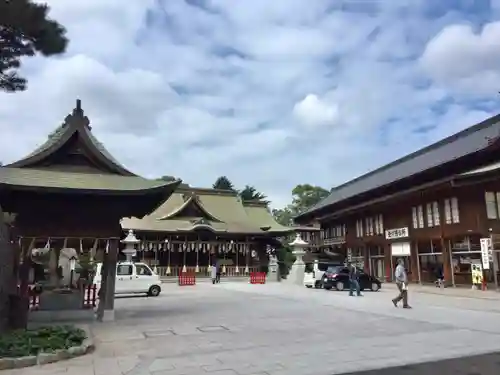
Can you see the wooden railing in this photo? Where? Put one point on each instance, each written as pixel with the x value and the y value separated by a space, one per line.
pixel 204 271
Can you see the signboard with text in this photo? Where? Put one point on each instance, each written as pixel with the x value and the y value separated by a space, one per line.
pixel 394 234
pixel 485 252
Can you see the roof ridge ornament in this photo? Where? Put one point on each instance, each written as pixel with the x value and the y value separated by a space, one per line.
pixel 77 118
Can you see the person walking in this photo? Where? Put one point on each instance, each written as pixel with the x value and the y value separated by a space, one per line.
pixel 217 277
pixel 354 280
pixel 213 273
pixel 401 277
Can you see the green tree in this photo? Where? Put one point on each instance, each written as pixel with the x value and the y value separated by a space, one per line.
pixel 306 195
pixel 223 183
pixel 285 215
pixel 25 30
pixel 250 193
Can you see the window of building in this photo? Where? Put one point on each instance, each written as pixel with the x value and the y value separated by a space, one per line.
pixel 432 210
pixel 430 216
pixel 447 211
pixel 455 214
pixel 344 230
pixel 492 200
pixel 369 226
pixel 380 224
pixel 435 211
pixel 414 217
pixel 359 228
pixel 451 212
pixel 417 214
pixel 491 205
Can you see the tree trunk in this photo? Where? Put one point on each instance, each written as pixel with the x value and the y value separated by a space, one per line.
pixel 8 279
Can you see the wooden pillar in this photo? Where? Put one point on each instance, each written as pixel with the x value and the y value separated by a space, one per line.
pixel 111 271
pixel 388 262
pixel 366 250
pixel 448 272
pixel 414 262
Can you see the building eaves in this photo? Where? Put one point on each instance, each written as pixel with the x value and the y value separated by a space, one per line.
pixel 466 142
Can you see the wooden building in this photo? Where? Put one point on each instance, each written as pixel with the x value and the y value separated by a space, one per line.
pixel 430 208
pixel 198 227
pixel 70 193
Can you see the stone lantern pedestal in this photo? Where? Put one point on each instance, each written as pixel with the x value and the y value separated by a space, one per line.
pixel 130 241
pixel 296 275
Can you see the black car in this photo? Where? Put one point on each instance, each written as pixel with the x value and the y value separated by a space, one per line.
pixel 338 277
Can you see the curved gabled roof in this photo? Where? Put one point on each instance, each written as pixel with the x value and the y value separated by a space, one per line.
pixel 225 206
pixel 75 124
pixel 191 201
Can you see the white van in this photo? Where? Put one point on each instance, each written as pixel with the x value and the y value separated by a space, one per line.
pixel 314 273
pixel 133 278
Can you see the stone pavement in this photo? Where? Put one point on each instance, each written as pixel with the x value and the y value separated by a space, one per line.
pixel 279 329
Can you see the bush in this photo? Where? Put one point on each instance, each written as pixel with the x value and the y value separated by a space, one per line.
pixel 46 339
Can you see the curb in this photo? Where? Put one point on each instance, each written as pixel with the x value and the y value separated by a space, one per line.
pixel 87 346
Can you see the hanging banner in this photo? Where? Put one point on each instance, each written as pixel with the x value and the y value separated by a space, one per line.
pixel 485 252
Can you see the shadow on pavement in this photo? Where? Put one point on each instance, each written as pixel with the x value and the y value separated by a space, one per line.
pixel 485 364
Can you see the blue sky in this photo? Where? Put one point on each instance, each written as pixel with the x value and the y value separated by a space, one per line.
pixel 269 93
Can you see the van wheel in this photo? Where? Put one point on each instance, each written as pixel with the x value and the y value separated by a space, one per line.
pixel 154 291
pixel 309 286
pixel 318 284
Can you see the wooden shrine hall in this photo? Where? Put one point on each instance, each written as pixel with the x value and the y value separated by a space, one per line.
pixel 197 227
pixel 66 200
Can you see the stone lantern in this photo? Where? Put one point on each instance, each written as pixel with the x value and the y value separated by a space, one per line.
pixel 130 241
pixel 296 275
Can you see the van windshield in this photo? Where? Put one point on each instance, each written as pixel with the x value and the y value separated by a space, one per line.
pixel 309 267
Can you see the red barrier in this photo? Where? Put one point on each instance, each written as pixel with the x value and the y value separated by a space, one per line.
pixel 186 279
pixel 257 278
pixel 89 296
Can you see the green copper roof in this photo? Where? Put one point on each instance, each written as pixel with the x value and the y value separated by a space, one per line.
pixel 227 207
pixel 37 178
pixel 259 214
pixel 75 124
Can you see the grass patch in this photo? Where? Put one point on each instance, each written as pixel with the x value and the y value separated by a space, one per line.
pixel 45 339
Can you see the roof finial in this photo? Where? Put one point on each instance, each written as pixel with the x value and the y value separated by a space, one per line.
pixel 78 111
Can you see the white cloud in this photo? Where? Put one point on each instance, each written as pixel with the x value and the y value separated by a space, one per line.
pixel 465 57
pixel 314 112
pixel 270 93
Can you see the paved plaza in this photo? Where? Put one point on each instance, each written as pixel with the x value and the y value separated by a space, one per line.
pixel 277 329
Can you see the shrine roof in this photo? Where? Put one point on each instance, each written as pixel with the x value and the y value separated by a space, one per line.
pixel 29 178
pixel 75 124
pixel 218 211
pixel 258 213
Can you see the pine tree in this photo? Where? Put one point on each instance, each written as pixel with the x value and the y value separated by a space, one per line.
pixel 25 30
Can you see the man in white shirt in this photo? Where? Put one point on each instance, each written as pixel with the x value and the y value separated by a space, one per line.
pixel 402 283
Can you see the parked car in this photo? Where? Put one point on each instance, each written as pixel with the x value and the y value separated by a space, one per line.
pixel 314 273
pixel 132 278
pixel 338 277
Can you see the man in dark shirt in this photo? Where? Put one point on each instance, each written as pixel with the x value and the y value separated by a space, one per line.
pixel 353 280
